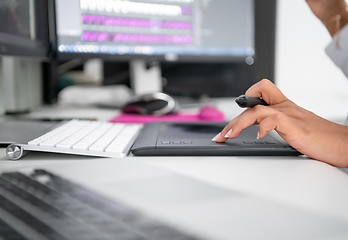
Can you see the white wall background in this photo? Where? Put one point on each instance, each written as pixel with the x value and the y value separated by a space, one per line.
pixel 304 72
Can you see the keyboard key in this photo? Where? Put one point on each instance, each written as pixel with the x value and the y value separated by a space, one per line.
pixel 75 138
pixel 44 137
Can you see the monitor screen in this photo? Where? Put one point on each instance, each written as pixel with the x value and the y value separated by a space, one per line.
pixel 23 28
pixel 171 29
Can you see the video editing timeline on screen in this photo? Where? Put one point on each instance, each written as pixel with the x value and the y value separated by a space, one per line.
pixel 135 23
pixel 163 23
pixel 156 27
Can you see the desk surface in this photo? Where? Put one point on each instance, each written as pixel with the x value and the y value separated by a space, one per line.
pixel 296 181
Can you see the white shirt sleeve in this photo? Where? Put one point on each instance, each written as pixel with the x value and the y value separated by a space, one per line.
pixel 337 50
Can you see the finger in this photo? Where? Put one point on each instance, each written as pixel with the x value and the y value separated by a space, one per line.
pixel 244 120
pixel 268 91
pixel 223 135
pixel 268 124
pixel 278 122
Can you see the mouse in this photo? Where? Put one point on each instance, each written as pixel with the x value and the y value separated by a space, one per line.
pixel 210 113
pixel 157 104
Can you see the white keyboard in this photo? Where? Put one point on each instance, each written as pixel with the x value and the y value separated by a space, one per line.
pixel 81 137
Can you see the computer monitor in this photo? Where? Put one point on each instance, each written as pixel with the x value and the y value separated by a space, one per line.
pixel 23 28
pixel 144 31
pixel 23 45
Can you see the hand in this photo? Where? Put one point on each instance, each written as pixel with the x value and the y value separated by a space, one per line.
pixel 308 133
pixel 326 10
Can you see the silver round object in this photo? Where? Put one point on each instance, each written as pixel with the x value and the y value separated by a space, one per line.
pixel 14 152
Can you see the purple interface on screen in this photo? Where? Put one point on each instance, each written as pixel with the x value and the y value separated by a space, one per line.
pixel 174 24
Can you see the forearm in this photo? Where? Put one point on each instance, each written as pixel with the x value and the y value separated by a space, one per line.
pixel 338 147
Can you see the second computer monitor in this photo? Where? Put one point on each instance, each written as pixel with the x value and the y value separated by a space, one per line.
pixel 23 28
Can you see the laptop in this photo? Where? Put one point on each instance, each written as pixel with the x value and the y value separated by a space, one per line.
pixel 127 199
pixel 102 139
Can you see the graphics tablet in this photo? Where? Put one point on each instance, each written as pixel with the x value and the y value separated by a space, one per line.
pixel 194 139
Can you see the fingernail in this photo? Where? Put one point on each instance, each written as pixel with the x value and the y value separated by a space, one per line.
pixel 228 133
pixel 258 135
pixel 216 137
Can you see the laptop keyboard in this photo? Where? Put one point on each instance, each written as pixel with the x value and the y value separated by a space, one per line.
pixel 81 137
pixel 41 205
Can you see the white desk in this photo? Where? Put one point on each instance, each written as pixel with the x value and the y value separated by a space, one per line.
pixel 296 181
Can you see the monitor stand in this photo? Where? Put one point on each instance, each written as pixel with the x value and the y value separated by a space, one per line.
pixel 146 77
pixel 22 84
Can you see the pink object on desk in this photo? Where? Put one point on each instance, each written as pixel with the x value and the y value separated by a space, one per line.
pixel 206 113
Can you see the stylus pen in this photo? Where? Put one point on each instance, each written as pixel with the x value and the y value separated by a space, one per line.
pixel 245 101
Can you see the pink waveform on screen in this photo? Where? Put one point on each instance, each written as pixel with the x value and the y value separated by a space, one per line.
pixel 125 37
pixel 186 11
pixel 138 38
pixel 94 36
pixel 130 22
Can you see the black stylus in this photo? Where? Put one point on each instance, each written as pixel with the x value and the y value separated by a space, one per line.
pixel 245 101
